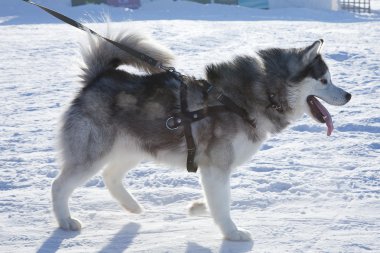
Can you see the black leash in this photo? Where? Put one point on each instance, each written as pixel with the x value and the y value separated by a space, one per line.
pixel 185 117
pixel 80 26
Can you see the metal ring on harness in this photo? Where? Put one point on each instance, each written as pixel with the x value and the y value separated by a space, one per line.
pixel 175 124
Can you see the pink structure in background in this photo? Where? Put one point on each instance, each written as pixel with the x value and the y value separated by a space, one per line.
pixel 131 4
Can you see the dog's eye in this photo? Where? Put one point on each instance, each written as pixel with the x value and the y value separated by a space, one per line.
pixel 324 81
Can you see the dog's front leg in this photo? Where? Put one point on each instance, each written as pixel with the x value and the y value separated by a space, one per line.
pixel 216 186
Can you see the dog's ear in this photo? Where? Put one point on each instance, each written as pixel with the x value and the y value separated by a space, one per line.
pixel 312 51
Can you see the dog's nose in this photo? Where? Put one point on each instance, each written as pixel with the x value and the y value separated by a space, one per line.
pixel 348 96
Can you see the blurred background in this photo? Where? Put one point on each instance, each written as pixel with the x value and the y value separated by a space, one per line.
pixel 17 12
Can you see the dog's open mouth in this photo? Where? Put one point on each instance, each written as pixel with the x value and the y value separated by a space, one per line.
pixel 320 113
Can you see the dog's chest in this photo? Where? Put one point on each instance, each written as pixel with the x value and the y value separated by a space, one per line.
pixel 243 149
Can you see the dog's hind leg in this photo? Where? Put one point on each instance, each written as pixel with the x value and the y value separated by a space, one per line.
pixel 70 178
pixel 113 176
pixel 216 186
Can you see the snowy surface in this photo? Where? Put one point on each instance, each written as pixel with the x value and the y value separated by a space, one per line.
pixel 303 192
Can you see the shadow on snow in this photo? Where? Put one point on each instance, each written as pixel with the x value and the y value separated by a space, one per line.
pixel 119 243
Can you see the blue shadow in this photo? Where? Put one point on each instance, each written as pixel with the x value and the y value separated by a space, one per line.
pixel 122 240
pixel 55 240
pixel 226 247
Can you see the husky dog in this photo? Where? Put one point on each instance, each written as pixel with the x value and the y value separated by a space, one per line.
pixel 118 118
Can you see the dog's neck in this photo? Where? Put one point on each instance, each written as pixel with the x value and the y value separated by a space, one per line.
pixel 246 82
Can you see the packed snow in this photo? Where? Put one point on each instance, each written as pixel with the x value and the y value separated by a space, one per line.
pixel 302 192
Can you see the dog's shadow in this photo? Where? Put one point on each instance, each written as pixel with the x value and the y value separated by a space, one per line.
pixel 55 240
pixel 119 243
pixel 123 239
pixel 226 247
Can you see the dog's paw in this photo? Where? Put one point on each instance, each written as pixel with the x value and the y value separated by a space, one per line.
pixel 238 235
pixel 70 224
pixel 197 208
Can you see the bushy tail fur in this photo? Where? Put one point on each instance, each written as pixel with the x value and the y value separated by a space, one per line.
pixel 100 55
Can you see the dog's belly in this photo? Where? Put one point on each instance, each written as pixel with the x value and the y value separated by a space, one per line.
pixel 174 159
pixel 127 147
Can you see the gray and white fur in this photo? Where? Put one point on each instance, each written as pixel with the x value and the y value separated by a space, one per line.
pixel 118 119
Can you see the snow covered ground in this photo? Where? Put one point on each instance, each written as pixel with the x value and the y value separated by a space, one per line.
pixel 303 192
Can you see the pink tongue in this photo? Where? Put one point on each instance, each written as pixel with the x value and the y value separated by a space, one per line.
pixel 326 116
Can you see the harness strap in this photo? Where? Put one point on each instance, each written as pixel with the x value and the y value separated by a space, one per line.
pixel 176 120
pixel 191 148
pixel 228 103
pixel 190 143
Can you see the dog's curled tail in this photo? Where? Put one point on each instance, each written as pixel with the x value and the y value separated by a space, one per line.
pixel 100 55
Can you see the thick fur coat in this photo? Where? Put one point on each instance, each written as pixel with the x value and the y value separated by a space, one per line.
pixel 118 118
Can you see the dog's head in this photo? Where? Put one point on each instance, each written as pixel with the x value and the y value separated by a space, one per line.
pixel 311 81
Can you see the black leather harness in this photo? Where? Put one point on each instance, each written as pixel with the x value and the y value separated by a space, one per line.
pixel 185 117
